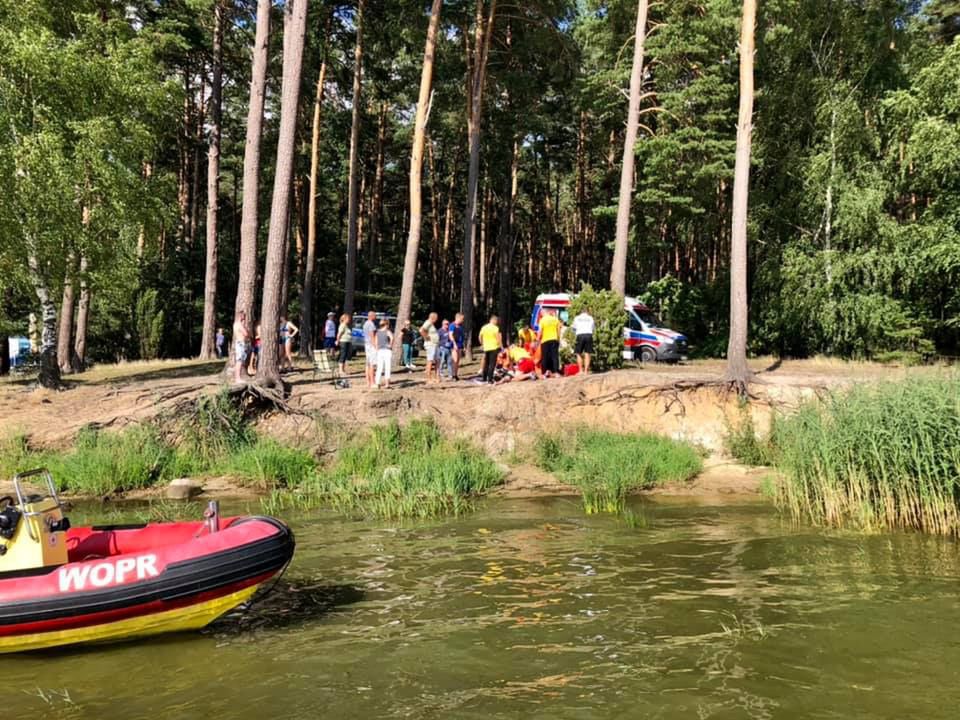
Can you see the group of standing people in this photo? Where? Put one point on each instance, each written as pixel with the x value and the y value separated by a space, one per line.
pixel 247 345
pixel 443 346
pixel 535 354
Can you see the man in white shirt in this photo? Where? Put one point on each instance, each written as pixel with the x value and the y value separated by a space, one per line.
pixel 583 327
pixel 370 347
pixel 431 341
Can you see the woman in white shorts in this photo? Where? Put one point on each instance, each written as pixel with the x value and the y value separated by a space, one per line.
pixel 384 354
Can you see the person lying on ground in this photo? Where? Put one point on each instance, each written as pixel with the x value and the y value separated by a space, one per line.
pixel 536 355
pixel 519 363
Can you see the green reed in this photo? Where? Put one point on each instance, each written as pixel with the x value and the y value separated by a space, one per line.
pixel 394 471
pixel 607 467
pixel 213 440
pixel 268 464
pixel 875 457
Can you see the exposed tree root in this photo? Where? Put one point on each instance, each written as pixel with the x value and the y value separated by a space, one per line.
pixel 672 394
pixel 254 398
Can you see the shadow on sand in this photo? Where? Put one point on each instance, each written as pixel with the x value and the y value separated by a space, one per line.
pixel 172 373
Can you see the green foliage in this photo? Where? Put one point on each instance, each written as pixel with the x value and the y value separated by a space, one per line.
pixel 609 317
pixel 213 440
pixel 742 442
pixel 102 463
pixel 214 429
pixel 398 471
pixel 149 325
pixel 268 464
pixel 607 467
pixel 854 225
pixel 874 457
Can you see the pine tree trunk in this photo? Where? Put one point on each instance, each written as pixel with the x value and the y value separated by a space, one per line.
pixel 208 339
pixel 6 297
pixel 375 251
pixel 295 23
pixel 306 296
pixel 195 165
pixel 416 172
pixel 49 369
pixel 618 272
pixel 353 181
pixel 183 165
pixel 581 234
pixel 482 264
pixel 738 373
pixel 435 262
pixel 83 311
pixel 505 246
pixel 481 49
pixel 250 214
pixel 65 330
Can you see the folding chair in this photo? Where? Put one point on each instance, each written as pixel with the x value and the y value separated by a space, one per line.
pixel 322 365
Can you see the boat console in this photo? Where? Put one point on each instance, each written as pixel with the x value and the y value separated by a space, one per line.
pixel 32 527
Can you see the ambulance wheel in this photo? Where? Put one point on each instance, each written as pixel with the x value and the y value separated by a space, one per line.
pixel 648 355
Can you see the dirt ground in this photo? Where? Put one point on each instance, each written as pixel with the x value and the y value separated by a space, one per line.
pixel 680 401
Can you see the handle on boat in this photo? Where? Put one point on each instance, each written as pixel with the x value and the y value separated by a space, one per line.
pixel 22 500
pixel 211 516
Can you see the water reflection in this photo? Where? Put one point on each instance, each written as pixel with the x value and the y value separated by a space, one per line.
pixel 286 604
pixel 528 609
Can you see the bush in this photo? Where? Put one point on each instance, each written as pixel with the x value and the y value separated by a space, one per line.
pixel 14 455
pixel 267 463
pixel 606 466
pixel 213 430
pixel 103 463
pixel 883 456
pixel 742 442
pixel 149 325
pixel 606 307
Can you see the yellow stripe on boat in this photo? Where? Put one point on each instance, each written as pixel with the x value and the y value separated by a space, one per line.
pixel 192 617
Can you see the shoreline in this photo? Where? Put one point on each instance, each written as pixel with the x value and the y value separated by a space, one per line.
pixel 682 402
pixel 722 481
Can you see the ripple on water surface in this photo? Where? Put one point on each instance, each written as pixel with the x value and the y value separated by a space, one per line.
pixel 528 609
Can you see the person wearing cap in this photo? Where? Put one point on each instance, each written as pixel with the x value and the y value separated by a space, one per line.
pixel 330 333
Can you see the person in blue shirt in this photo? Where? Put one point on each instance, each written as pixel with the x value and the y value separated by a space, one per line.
pixel 445 350
pixel 458 343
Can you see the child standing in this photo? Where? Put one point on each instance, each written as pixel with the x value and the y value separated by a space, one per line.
pixel 384 340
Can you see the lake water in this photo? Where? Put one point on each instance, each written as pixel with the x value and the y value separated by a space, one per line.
pixel 529 609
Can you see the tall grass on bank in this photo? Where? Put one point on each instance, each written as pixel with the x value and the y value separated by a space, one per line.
pixel 214 440
pixel 609 466
pixel 100 463
pixel 395 471
pixel 743 443
pixel 881 456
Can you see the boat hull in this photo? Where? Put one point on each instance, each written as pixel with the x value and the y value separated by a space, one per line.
pixel 191 617
pixel 123 582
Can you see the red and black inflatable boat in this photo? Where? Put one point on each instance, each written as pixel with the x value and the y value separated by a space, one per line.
pixel 118 582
